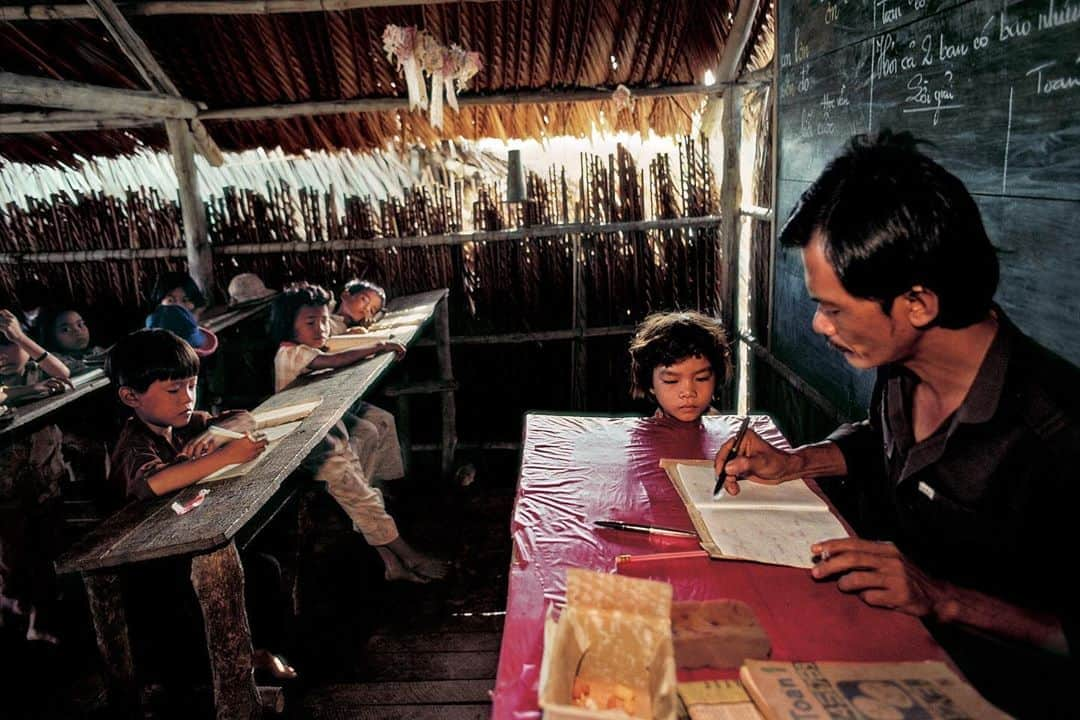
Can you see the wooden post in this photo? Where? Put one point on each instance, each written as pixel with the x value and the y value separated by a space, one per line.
pixel 446 374
pixel 579 321
pixel 103 590
pixel 218 580
pixel 730 201
pixel 200 260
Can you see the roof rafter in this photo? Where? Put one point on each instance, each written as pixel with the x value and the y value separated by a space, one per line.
pixel 43 92
pixel 147 65
pixel 78 11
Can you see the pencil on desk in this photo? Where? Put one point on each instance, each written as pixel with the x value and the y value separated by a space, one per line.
pixel 621 560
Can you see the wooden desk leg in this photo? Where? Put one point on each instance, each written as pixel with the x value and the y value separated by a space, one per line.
pixel 446 373
pixel 104 592
pixel 218 580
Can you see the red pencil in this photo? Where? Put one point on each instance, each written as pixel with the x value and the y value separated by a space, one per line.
pixel 621 560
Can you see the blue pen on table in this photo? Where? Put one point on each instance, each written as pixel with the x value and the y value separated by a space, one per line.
pixel 731 455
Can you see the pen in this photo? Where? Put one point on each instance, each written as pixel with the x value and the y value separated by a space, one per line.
pixel 651 529
pixel 731 454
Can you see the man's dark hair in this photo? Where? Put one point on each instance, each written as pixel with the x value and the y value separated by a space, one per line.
pixel 355 287
pixel 148 355
pixel 170 280
pixel 666 338
pixel 287 305
pixel 892 218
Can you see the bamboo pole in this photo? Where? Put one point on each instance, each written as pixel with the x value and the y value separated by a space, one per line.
pixel 64 121
pixel 331 107
pixel 199 258
pixel 78 11
pixel 147 65
pixel 36 91
pixel 300 246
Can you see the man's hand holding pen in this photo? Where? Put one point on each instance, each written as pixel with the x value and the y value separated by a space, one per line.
pixel 756 460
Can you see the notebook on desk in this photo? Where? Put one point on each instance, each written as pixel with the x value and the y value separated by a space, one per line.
pixel 275 425
pixel 774 524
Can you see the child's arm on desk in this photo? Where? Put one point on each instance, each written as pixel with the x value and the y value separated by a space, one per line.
pixel 187 473
pixel 351 357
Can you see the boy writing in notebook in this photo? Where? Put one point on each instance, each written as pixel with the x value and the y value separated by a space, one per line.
pixel 164 446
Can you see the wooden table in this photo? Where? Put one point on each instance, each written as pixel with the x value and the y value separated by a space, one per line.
pixel 30 412
pixel 577 469
pixel 234 511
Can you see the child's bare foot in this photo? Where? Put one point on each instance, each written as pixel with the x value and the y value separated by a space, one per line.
pixel 273 665
pixel 429 567
pixel 395 570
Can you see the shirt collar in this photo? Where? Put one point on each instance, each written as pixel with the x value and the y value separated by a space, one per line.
pixel 982 399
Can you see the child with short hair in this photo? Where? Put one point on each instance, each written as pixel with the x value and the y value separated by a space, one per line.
pixel 360 448
pixel 164 446
pixel 678 360
pixel 64 332
pixel 176 288
pixel 361 302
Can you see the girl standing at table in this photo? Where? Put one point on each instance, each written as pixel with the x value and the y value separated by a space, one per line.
pixel 678 360
pixel 363 446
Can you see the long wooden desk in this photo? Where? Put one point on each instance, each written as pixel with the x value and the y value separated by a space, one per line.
pixel 234 509
pixel 577 469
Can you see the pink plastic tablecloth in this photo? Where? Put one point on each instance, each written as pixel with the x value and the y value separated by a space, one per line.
pixel 579 469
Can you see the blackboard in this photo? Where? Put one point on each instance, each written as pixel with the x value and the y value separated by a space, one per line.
pixel 995 86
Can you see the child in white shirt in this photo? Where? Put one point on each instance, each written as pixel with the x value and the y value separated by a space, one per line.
pixel 363 446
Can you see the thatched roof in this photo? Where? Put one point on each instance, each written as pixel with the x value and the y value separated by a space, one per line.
pixel 231 61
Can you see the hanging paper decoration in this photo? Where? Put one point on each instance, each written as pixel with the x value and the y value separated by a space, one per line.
pixel 432 57
pixel 622 98
pixel 400 44
pixel 417 52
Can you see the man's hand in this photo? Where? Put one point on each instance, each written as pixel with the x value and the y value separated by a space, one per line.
pixel 241 421
pixel 395 347
pixel 244 449
pixel 756 460
pixel 879 574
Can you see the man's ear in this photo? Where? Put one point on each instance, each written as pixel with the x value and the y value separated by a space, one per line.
pixel 923 306
pixel 128 396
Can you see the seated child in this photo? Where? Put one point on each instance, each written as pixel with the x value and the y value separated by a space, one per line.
pixel 363 446
pixel 678 360
pixel 361 302
pixel 176 288
pixel 64 332
pixel 30 472
pixel 164 446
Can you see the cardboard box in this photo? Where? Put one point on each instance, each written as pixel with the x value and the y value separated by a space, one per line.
pixel 614 631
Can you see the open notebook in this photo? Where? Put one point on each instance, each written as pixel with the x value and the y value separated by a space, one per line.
pixel 774 524
pixel 275 424
pixel 337 343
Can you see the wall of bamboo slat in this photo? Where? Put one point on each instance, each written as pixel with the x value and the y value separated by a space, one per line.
pixel 512 286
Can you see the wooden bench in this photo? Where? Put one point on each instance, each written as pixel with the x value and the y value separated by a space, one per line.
pixel 234 511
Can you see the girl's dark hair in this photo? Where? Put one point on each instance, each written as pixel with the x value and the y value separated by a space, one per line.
pixel 666 338
pixel 287 305
pixel 46 325
pixel 890 219
pixel 355 287
pixel 148 355
pixel 174 279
